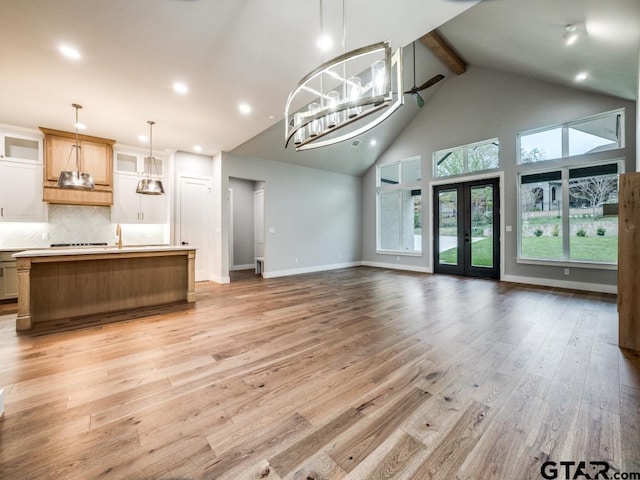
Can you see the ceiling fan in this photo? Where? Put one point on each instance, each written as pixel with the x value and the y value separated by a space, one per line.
pixel 415 90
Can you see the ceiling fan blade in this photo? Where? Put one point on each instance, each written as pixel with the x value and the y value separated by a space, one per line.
pixel 429 83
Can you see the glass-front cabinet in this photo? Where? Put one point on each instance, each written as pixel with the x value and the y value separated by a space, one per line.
pixel 21 178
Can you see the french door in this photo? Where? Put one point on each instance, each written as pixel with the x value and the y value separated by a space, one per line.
pixel 467 228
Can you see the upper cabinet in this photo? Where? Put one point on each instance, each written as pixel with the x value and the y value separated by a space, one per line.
pixel 136 163
pixel 130 165
pixel 21 178
pixel 95 156
pixel 20 148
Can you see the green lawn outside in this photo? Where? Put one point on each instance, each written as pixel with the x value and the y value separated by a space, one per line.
pixel 594 249
pixel 481 254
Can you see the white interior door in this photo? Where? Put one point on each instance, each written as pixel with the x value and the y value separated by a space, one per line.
pixel 195 221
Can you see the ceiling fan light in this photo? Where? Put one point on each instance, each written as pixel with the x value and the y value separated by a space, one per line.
pixel 419 100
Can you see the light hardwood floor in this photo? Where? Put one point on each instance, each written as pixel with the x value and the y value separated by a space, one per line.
pixel 359 373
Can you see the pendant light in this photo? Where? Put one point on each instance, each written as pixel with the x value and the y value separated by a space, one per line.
pixel 352 103
pixel 148 185
pixel 76 179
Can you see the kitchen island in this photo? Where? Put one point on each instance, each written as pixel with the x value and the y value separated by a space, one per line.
pixel 70 283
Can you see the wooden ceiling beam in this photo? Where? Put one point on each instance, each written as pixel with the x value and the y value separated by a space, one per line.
pixel 439 46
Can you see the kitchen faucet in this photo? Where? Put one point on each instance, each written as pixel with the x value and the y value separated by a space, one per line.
pixel 119 234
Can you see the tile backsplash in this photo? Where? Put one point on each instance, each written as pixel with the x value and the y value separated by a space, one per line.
pixel 77 224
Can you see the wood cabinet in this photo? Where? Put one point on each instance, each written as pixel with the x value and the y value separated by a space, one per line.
pixel 628 261
pixel 132 207
pixel 95 157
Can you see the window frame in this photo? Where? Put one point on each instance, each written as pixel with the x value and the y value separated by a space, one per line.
pixel 565 217
pixel 400 186
pixel 565 127
pixel 465 158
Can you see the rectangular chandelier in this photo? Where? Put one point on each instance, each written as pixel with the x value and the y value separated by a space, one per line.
pixel 344 97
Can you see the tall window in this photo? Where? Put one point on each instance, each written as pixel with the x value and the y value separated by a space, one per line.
pixel 399 207
pixel 570 214
pixel 474 157
pixel 588 135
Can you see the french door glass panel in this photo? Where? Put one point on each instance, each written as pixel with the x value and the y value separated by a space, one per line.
pixel 482 226
pixel 448 227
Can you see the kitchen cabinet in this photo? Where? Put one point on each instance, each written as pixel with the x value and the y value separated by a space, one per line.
pixel 8 276
pixel 21 192
pixel 132 207
pixel 129 162
pixel 20 148
pixel 95 157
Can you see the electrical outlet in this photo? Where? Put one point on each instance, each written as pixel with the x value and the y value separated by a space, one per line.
pixel 566 271
pixel 45 235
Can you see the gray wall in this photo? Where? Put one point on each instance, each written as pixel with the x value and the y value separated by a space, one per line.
pixel 243 241
pixel 483 104
pixel 312 217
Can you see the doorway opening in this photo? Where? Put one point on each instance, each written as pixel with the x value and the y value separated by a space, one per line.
pixel 467 228
pixel 246 229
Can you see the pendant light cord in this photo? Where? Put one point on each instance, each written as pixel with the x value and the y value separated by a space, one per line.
pixel 77 145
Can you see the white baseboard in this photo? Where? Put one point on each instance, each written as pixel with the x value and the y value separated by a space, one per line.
pixel 395 266
pixel 298 271
pixel 546 282
pixel 220 279
pixel 248 266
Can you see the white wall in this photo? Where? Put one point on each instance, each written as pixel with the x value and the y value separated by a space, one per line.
pixel 312 217
pixel 479 105
pixel 243 237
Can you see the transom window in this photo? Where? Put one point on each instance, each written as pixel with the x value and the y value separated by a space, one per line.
pixel 588 135
pixel 399 207
pixel 474 157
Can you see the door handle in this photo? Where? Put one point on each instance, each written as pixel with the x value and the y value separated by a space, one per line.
pixel 184 243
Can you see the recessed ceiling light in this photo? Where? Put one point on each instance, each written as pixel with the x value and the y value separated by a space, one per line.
pixel 69 52
pixel 373 142
pixel 142 138
pixel 244 108
pixel 325 43
pixel 180 88
pixel 197 148
pixel 582 76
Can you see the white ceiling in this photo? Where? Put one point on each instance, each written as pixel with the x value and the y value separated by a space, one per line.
pixel 255 51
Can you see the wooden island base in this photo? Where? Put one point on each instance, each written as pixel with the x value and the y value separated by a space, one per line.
pixel 67 284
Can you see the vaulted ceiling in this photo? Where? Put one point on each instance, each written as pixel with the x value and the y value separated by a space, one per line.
pixel 230 52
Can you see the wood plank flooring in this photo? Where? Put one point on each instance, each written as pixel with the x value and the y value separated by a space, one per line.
pixel 359 373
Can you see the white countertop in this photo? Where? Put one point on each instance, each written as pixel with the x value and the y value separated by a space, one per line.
pixel 109 249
